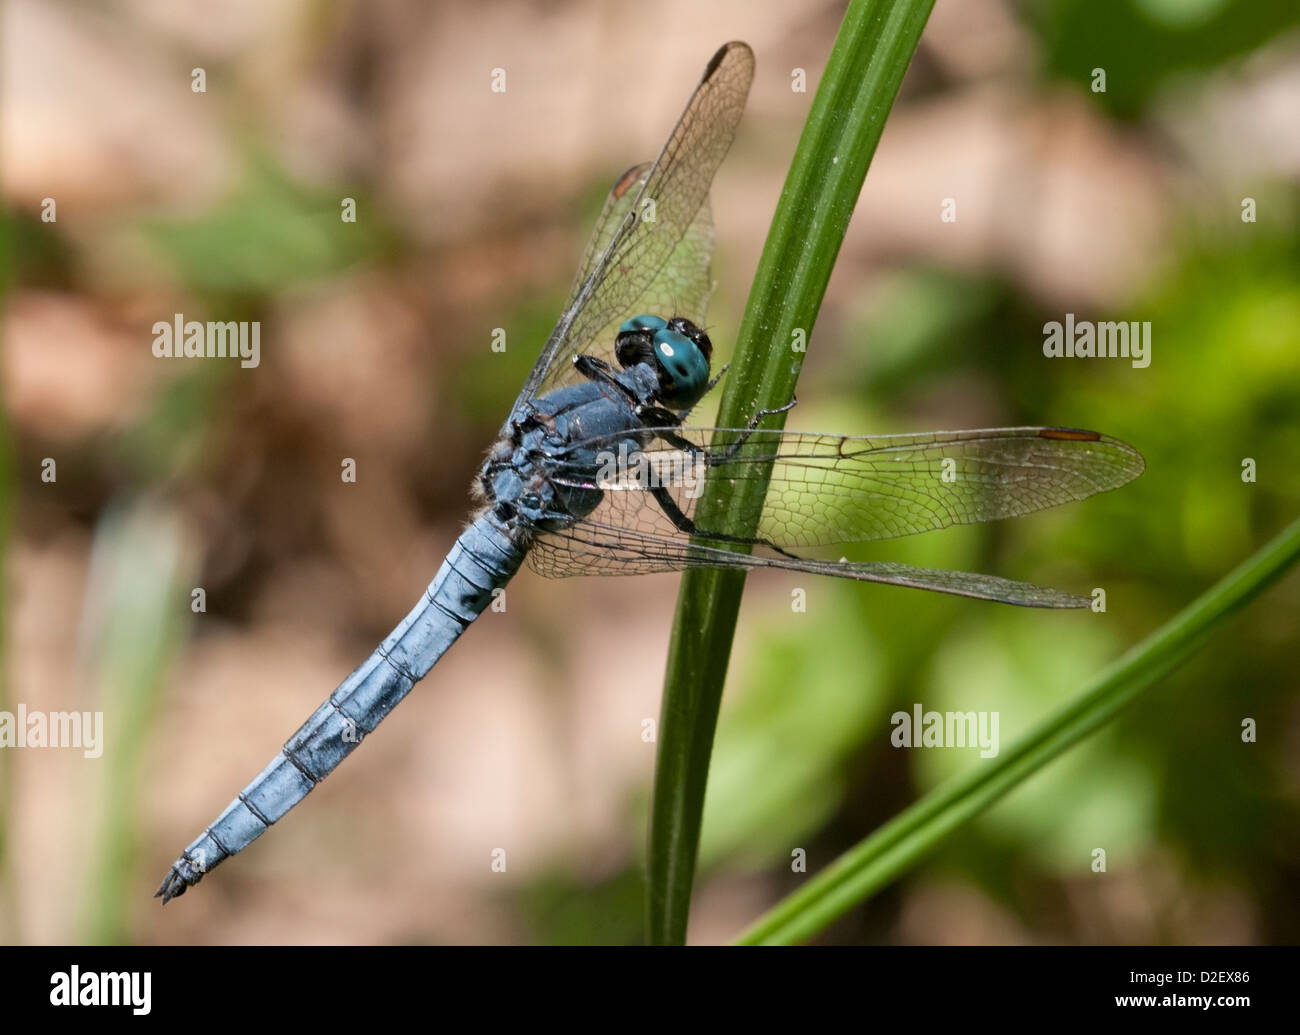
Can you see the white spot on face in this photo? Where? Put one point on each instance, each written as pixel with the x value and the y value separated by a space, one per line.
pixel 665 348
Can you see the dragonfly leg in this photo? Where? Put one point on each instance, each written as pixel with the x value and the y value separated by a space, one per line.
pixel 677 516
pixel 592 368
pixel 596 369
pixel 663 422
pixel 657 417
pixel 750 428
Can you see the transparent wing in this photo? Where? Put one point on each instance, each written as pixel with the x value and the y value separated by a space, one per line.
pixel 841 488
pixel 618 203
pixel 594 547
pixel 680 288
pixel 832 489
pixel 635 238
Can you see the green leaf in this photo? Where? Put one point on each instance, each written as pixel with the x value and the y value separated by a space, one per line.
pixel 871 53
pixel 891 850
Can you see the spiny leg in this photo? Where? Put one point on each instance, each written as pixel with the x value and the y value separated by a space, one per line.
pixel 658 416
pixel 678 517
pixel 750 428
pixel 662 421
pixel 595 369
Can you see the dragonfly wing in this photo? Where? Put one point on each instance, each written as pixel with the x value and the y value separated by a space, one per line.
pixel 680 288
pixel 683 285
pixel 639 237
pixel 618 203
pixel 828 489
pixel 596 547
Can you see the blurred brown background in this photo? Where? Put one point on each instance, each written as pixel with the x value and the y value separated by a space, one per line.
pixel 473 207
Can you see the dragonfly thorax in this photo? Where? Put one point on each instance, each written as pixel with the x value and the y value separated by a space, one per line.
pixel 677 350
pixel 539 474
pixel 513 480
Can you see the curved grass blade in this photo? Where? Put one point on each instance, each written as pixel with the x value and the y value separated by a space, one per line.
pixel 892 849
pixel 871 53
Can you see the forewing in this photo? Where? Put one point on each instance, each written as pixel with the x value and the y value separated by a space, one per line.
pixel 836 488
pixel 640 237
pixel 618 203
pixel 680 288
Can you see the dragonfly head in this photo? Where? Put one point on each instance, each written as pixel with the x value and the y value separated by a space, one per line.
pixel 676 349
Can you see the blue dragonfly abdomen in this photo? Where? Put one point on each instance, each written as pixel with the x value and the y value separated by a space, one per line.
pixel 483 559
pixel 519 498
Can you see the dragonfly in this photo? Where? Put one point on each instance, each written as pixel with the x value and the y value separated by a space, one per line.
pixel 596 470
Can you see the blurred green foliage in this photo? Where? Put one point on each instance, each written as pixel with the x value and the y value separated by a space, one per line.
pixel 1144 45
pixel 271 234
pixel 133 623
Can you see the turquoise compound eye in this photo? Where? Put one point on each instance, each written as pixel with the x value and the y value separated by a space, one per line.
pixel 684 370
pixel 676 348
pixel 645 322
